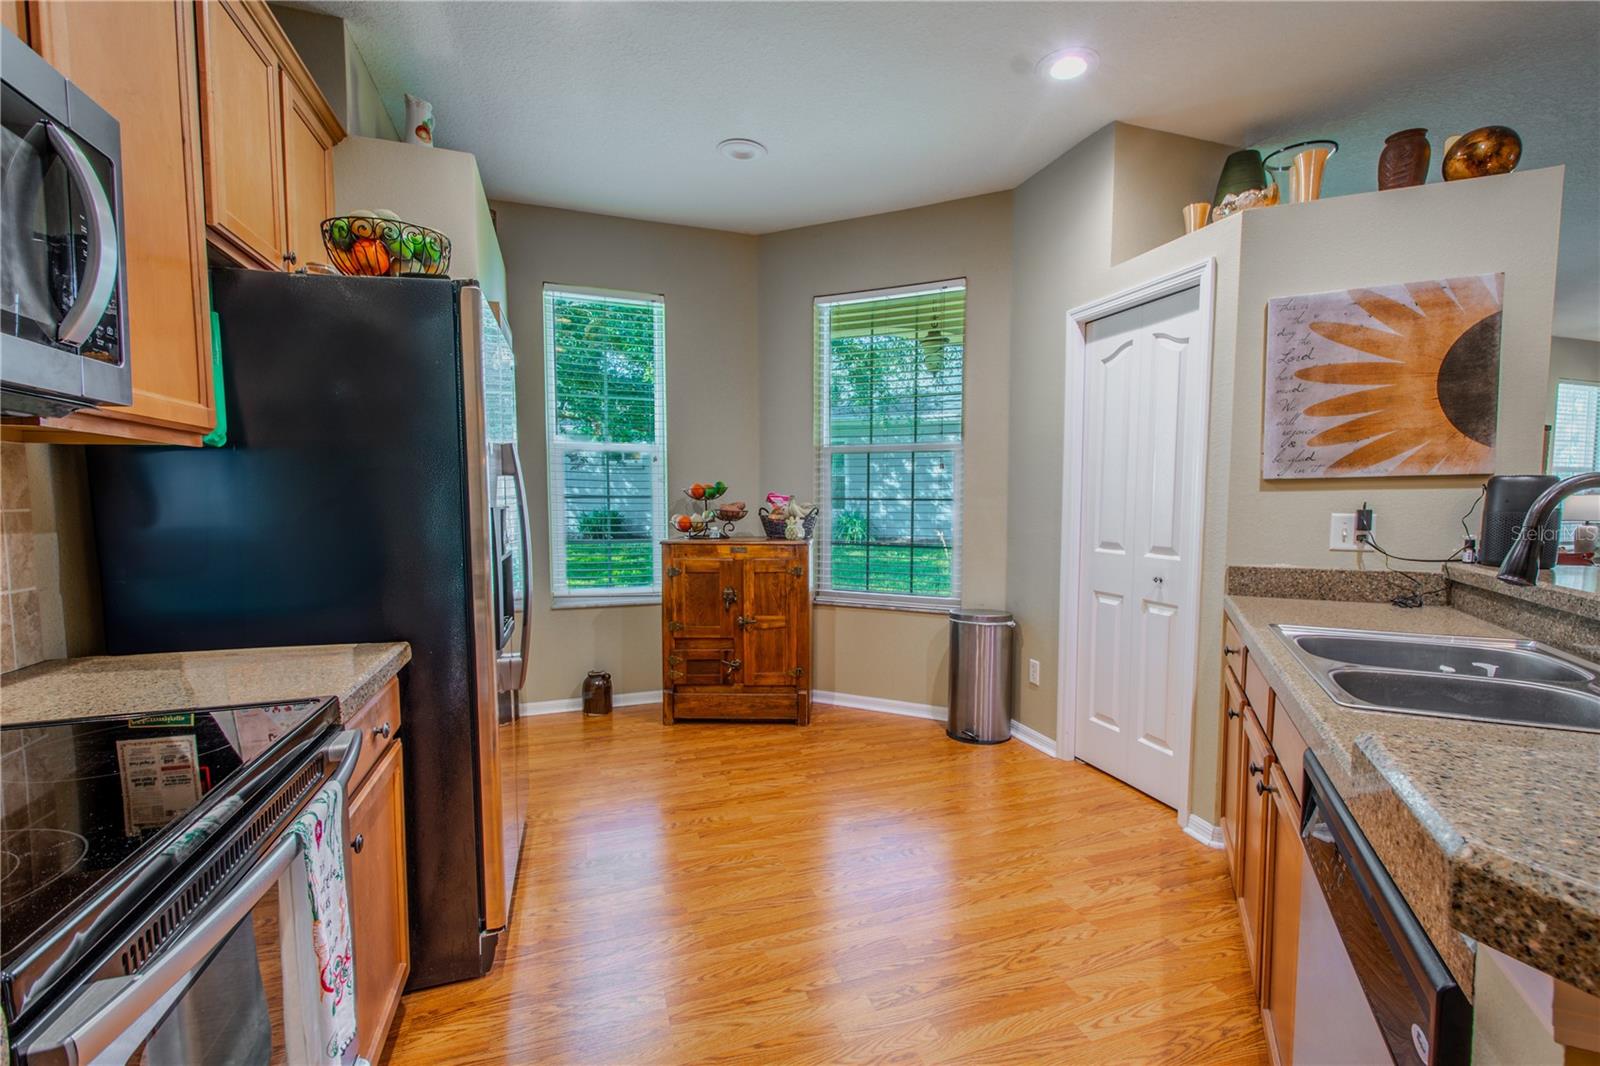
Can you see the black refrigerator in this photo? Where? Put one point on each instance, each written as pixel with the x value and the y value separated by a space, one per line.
pixel 369 491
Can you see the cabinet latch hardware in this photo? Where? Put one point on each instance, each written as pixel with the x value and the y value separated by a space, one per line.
pixel 797 569
pixel 729 594
pixel 732 664
pixel 673 571
pixel 675 675
pixel 745 620
pixel 797 671
pixel 674 627
pixel 674 660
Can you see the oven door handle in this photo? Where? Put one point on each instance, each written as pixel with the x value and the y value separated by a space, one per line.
pixel 94 295
pixel 113 1016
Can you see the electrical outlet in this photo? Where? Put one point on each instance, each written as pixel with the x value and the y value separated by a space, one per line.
pixel 1033 671
pixel 1342 533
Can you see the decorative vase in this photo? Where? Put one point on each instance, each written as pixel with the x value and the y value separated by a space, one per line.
pixel 1404 160
pixel 1241 172
pixel 1195 216
pixel 1305 180
pixel 1486 150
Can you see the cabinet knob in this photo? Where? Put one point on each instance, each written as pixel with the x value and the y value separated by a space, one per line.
pixel 1262 788
pixel 1229 649
pixel 1255 768
pixel 1232 714
pixel 290 258
pixel 358 843
pixel 381 731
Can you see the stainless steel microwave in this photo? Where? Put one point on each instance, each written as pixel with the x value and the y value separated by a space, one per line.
pixel 63 309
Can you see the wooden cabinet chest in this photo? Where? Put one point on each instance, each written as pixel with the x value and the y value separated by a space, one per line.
pixel 736 630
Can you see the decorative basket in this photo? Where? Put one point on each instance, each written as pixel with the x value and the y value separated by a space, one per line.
pixel 374 246
pixel 774 524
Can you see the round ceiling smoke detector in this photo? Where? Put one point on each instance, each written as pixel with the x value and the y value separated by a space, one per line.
pixel 742 149
pixel 1068 63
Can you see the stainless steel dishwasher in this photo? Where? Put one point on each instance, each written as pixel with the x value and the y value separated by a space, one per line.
pixel 1370 987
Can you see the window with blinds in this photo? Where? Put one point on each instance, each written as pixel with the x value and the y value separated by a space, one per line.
pixel 1575 436
pixel 889 377
pixel 606 430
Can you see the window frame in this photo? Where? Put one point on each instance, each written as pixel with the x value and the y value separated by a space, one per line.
pixel 825 594
pixel 1565 532
pixel 556 450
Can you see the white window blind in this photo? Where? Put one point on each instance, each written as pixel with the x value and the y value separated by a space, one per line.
pixel 605 424
pixel 889 380
pixel 1575 437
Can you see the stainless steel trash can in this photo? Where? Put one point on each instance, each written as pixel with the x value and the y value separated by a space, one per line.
pixel 983 676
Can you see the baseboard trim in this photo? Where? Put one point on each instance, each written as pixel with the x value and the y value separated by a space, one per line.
pixel 1033 738
pixel 873 703
pixel 1203 831
pixel 621 699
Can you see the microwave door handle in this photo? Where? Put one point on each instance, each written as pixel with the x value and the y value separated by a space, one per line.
pixel 113 1016
pixel 511 462
pixel 94 295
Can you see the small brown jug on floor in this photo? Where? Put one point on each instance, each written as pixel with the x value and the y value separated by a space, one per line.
pixel 597 693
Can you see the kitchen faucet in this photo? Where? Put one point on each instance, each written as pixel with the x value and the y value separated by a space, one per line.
pixel 1521 566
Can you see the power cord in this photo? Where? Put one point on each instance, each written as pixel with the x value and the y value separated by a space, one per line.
pixel 1416 597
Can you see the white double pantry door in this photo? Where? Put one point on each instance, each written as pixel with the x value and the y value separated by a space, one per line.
pixel 1145 374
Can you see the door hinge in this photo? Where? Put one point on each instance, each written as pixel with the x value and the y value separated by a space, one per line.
pixel 674 660
pixel 675 675
pixel 674 627
pixel 797 569
pixel 673 571
pixel 797 672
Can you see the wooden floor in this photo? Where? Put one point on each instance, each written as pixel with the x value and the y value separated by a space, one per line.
pixel 860 890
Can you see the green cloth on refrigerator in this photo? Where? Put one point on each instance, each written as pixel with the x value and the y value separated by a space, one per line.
pixel 218 436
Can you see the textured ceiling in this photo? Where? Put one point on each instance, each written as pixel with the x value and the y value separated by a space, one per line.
pixel 869 107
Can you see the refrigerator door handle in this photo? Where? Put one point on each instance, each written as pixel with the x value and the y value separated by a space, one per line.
pixel 511 463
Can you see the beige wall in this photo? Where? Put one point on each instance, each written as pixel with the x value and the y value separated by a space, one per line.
pixel 336 65
pixel 49 581
pixel 1443 230
pixel 713 380
pixel 897 655
pixel 1156 175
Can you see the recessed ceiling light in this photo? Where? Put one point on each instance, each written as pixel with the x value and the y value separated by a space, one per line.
pixel 742 149
pixel 1068 63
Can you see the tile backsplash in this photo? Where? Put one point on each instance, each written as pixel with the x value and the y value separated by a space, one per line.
pixel 21 622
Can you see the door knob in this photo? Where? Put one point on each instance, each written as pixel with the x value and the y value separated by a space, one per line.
pixel 1160 580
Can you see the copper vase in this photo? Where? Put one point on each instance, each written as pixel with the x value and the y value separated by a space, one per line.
pixel 1404 161
pixel 1305 177
pixel 1482 152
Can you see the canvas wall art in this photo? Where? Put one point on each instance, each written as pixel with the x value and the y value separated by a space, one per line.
pixel 1389 381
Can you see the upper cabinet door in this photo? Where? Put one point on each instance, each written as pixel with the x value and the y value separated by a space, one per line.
pixel 243 139
pixel 307 175
pixel 138 62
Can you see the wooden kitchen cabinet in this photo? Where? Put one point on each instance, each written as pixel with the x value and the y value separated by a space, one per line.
pixel 736 630
pixel 1233 771
pixel 376 878
pixel 1253 842
pixel 1281 945
pixel 268 137
pixel 138 62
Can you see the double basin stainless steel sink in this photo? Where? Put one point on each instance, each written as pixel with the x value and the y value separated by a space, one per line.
pixel 1511 682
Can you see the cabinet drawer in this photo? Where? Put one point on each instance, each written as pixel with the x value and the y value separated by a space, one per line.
pixel 379 725
pixel 692 663
pixel 1258 693
pixel 1234 653
pixel 1289 751
pixel 780 706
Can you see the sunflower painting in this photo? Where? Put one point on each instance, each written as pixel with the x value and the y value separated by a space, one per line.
pixel 1383 382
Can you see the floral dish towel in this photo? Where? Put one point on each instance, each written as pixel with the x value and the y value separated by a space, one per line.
pixel 314 912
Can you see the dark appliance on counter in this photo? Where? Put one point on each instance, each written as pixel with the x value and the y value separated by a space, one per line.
pixel 370 491
pixel 142 855
pixel 62 344
pixel 1369 984
pixel 1506 500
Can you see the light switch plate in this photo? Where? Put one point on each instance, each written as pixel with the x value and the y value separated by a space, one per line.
pixel 1033 671
pixel 1342 533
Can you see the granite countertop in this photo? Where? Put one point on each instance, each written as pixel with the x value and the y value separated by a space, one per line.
pixel 166 681
pixel 1573 589
pixel 1488 830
